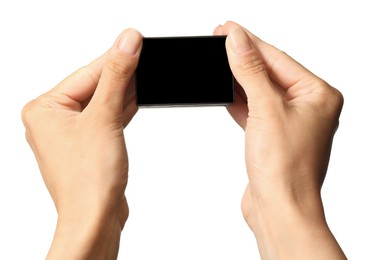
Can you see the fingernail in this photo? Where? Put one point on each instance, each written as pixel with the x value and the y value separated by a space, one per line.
pixel 130 42
pixel 240 41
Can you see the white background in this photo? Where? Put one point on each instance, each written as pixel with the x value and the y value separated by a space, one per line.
pixel 187 171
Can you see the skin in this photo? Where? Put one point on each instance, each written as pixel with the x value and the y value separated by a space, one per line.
pixel 288 114
pixel 76 133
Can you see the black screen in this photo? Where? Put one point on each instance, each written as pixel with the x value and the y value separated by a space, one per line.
pixel 184 71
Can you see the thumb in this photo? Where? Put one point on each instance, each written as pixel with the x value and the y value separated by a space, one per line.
pixel 248 67
pixel 117 73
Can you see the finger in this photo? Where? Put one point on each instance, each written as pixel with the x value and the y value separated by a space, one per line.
pixel 282 68
pixel 129 110
pixel 117 73
pixel 81 85
pixel 130 106
pixel 218 30
pixel 239 108
pixel 248 67
pixel 131 91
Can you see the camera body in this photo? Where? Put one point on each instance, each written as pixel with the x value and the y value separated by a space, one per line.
pixel 184 71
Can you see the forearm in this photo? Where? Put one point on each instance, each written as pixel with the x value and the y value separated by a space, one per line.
pixel 293 230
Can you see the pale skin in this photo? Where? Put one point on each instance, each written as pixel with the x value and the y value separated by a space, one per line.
pixel 289 116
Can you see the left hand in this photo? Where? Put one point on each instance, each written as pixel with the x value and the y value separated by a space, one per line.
pixel 76 133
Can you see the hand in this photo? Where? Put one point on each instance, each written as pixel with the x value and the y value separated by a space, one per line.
pixel 76 133
pixel 289 116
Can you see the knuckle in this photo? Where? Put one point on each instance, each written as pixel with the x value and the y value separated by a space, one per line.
pixel 119 67
pixel 338 98
pixel 329 98
pixel 252 64
pixel 32 111
pixel 27 112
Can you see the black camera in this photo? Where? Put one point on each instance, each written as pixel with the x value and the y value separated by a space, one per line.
pixel 184 71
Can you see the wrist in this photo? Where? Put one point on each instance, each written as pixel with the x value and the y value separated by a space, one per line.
pixel 92 235
pixel 284 226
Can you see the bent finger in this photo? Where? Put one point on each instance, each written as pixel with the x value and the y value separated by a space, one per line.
pixel 117 73
pixel 281 67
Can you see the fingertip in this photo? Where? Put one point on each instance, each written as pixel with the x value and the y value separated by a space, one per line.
pixel 230 23
pixel 218 30
pixel 117 72
pixel 129 30
pixel 238 41
pixel 247 66
pixel 129 41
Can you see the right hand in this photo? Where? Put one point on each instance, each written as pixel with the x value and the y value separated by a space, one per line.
pixel 289 116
